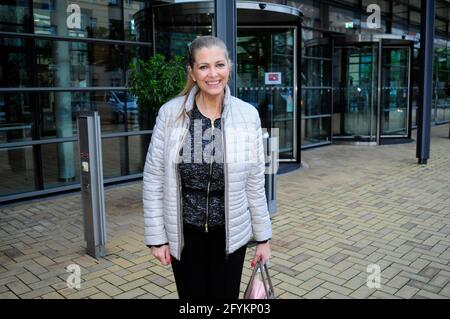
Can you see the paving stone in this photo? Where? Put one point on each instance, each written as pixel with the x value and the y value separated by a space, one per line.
pixel 131 294
pixel 407 292
pixel 155 290
pixel 317 293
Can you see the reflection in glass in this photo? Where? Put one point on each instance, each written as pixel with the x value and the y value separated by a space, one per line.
pixel 441 94
pixel 13 16
pixel 78 64
pixel 132 10
pixel 316 72
pixel 355 92
pixel 118 111
pixel 316 101
pixel 316 90
pixel 16 118
pixel 96 19
pixel 173 36
pixel 315 130
pixel 16 170
pixel 58 172
pixel 137 150
pixel 261 51
pixel 114 157
pixel 14 62
pixel 395 91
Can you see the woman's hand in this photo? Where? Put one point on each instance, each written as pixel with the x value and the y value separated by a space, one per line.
pixel 162 254
pixel 262 254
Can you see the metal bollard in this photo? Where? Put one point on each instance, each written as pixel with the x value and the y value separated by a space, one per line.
pixel 92 189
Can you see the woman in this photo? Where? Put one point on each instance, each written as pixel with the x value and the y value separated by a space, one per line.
pixel 203 186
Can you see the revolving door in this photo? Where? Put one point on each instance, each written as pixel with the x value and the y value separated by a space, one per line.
pixel 372 91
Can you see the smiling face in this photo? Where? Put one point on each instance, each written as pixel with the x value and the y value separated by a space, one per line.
pixel 211 70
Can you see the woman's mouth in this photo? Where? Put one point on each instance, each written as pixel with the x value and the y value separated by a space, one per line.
pixel 213 83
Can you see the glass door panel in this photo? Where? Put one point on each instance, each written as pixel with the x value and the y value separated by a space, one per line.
pixel 266 79
pixel 355 83
pixel 395 91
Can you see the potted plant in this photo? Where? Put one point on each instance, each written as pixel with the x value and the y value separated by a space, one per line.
pixel 153 83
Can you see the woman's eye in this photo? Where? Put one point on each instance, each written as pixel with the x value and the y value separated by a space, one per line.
pixel 221 65
pixel 203 67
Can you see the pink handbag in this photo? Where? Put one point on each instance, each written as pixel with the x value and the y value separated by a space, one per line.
pixel 260 286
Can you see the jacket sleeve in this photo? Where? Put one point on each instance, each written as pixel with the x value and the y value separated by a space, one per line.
pixel 153 185
pixel 255 190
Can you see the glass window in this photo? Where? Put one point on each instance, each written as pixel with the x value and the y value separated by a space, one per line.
pixel 134 15
pixel 16 170
pixel 384 5
pixel 60 164
pixel 14 16
pixel 441 94
pixel 85 18
pixel 78 64
pixel 414 17
pixel 344 21
pixel 114 151
pixel 400 11
pixel 137 151
pixel 310 10
pixel 14 62
pixel 441 26
pixel 16 118
pixel 174 35
pixel 118 112
pixel 316 130
pixel 316 101
pixel 316 72
pixel 442 9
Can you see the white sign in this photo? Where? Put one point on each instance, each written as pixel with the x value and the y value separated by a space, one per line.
pixel 85 166
pixel 272 78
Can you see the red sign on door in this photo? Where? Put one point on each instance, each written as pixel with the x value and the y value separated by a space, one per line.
pixel 273 78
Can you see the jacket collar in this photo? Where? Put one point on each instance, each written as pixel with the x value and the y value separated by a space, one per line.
pixel 191 98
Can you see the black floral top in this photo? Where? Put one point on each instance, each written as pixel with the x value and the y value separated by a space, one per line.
pixel 202 175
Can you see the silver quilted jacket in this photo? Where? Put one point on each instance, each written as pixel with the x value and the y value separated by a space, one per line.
pixel 245 200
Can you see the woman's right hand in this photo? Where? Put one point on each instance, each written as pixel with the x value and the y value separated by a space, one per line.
pixel 162 254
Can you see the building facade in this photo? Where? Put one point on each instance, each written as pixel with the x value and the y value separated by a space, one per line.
pixel 318 71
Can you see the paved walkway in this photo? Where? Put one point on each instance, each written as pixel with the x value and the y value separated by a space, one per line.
pixel 351 206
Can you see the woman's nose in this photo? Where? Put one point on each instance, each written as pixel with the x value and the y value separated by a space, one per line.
pixel 213 72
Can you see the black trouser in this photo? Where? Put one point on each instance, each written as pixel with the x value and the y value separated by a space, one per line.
pixel 204 270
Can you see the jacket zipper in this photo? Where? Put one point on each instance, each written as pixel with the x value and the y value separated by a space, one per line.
pixel 179 208
pixel 225 175
pixel 209 182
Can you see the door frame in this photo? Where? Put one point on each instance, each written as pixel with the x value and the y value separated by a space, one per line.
pixel 369 139
pixel 383 41
pixel 395 44
pixel 296 113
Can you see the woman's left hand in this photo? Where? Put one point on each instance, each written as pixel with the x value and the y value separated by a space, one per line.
pixel 262 254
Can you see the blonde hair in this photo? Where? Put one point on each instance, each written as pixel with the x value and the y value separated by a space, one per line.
pixel 196 45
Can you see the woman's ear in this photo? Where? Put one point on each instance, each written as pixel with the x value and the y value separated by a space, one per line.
pixel 191 74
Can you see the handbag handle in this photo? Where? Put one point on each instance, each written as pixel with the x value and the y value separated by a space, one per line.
pixel 270 293
pixel 265 278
